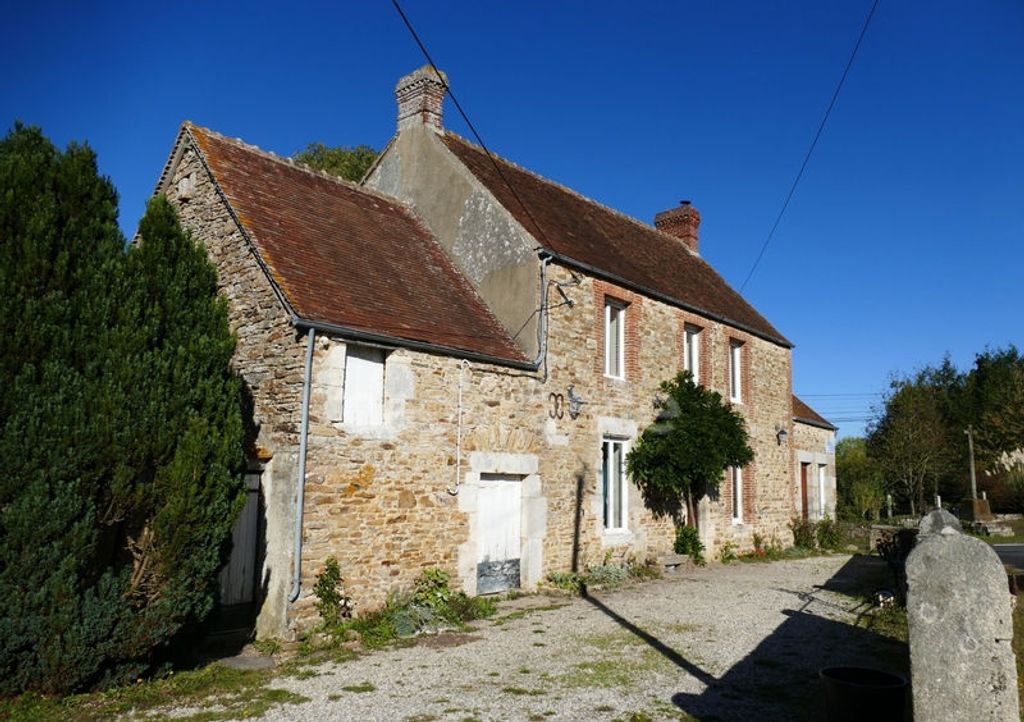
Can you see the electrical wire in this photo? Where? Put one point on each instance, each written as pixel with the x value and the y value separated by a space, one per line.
pixel 810 150
pixel 469 123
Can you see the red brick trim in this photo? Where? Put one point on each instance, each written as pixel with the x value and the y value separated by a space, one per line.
pixel 633 302
pixel 746 404
pixel 706 344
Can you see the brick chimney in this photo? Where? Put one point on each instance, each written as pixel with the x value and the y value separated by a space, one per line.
pixel 682 222
pixel 420 95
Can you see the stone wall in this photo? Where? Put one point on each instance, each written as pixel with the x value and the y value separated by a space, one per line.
pixel 814 445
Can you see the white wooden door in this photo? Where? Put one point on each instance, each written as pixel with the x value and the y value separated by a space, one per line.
pixel 499 532
pixel 238 577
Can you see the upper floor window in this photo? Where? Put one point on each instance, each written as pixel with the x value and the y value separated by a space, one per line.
pixel 691 351
pixel 614 338
pixel 736 371
pixel 613 483
pixel 364 386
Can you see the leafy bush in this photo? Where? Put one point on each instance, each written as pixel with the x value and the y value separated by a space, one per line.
pixel 332 603
pixel 829 533
pixel 688 542
pixel 646 569
pixel 431 605
pixel 569 581
pixel 803 532
pixel 608 576
pixel 727 554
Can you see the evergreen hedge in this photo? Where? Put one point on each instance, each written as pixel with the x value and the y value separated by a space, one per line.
pixel 120 426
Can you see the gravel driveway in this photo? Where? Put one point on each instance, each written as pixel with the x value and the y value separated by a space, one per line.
pixel 738 642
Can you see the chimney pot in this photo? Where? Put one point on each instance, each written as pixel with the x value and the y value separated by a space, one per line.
pixel 420 96
pixel 681 222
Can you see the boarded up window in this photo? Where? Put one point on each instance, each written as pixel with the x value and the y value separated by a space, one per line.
pixel 364 386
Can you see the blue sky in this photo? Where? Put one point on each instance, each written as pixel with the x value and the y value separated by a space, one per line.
pixel 904 241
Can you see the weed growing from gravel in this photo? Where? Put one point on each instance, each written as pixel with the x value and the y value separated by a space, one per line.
pixel 360 688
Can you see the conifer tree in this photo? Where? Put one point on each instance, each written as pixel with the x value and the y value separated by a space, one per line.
pixel 120 426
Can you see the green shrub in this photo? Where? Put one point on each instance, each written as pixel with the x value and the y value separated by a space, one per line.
pixel 332 603
pixel 829 533
pixel 803 532
pixel 608 576
pixel 569 581
pixel 120 427
pixel 688 542
pixel 727 553
pixel 647 569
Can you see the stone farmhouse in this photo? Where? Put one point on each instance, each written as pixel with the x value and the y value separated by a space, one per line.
pixel 448 364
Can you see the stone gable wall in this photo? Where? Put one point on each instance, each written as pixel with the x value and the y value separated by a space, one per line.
pixel 269 355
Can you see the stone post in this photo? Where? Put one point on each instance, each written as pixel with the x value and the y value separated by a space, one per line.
pixel 959 615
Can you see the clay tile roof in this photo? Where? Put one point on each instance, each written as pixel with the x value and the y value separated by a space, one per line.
pixel 349 257
pixel 580 230
pixel 806 415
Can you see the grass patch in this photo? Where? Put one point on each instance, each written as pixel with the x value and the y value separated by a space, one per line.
pixel 521 692
pixel 222 693
pixel 360 688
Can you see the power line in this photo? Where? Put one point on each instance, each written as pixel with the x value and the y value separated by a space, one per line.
pixel 469 123
pixel 807 158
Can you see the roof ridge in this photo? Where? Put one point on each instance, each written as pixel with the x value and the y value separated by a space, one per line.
pixel 291 162
pixel 572 191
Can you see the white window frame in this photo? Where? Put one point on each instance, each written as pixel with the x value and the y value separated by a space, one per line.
pixel 822 471
pixel 736 479
pixel 609 487
pixel 363 403
pixel 736 371
pixel 619 309
pixel 691 350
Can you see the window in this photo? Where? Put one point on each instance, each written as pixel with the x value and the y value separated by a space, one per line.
pixel 736 371
pixel 822 507
pixel 613 483
pixel 691 351
pixel 614 337
pixel 736 474
pixel 364 386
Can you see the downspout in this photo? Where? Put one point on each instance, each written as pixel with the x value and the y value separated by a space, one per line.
pixel 542 340
pixel 300 482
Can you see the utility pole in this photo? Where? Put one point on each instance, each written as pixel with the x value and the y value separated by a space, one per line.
pixel 970 446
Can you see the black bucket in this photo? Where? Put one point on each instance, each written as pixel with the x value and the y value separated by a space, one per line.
pixel 858 694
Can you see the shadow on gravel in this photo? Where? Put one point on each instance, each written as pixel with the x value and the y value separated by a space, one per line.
pixel 655 643
pixel 778 680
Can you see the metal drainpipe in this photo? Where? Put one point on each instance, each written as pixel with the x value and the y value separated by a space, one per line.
pixel 301 481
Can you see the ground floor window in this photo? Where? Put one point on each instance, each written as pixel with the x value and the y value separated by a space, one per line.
pixel 736 476
pixel 613 483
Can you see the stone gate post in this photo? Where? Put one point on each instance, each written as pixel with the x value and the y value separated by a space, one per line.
pixel 959 614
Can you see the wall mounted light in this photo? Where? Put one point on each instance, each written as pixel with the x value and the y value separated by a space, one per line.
pixel 575 402
pixel 781 434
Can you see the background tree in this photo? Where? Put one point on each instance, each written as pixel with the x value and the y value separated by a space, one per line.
pixel 120 425
pixel 859 485
pixel 683 455
pixel 910 440
pixel 343 161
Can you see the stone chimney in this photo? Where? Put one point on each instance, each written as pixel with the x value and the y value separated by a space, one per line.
pixel 682 222
pixel 420 95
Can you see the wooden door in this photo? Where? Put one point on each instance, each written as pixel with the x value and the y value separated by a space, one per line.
pixel 238 577
pixel 499 532
pixel 803 489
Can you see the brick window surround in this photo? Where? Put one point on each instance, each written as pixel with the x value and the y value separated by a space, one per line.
pixel 746 387
pixel 633 306
pixel 705 346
